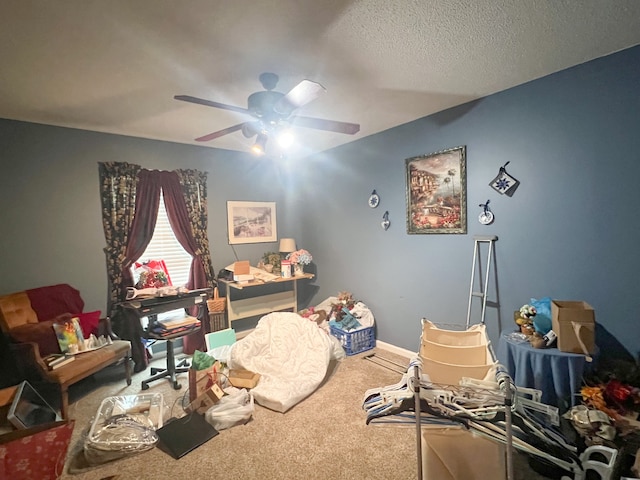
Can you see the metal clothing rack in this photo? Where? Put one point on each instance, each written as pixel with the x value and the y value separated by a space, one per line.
pixel 506 384
pixel 494 416
pixel 415 400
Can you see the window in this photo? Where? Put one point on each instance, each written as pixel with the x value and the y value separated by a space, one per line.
pixel 165 246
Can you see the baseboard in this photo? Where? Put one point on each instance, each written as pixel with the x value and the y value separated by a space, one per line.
pixel 397 350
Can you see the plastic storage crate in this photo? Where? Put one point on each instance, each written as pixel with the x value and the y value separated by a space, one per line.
pixel 355 341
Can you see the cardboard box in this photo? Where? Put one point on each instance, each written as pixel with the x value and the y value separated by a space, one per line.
pixel 574 322
pixel 242 272
pixel 206 400
pixel 243 378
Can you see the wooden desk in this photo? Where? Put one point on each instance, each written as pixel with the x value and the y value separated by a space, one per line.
pixel 152 306
pixel 129 313
pixel 262 303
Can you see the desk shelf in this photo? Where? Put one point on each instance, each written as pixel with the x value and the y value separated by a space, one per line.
pixel 262 303
pixel 151 307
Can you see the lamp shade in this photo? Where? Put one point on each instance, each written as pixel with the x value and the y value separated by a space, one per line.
pixel 287 245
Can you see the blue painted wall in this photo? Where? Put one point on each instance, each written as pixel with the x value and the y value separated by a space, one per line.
pixel 51 213
pixel 569 232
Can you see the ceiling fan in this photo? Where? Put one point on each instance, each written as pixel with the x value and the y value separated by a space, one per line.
pixel 274 111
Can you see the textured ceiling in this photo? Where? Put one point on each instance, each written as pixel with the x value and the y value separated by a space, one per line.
pixel 115 65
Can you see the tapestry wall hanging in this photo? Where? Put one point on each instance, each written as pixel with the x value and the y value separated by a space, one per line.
pixel 437 192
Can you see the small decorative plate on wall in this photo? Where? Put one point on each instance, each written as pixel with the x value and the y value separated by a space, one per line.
pixel 486 216
pixel 385 221
pixel 374 199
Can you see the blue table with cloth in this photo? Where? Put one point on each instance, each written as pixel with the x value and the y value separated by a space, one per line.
pixel 558 375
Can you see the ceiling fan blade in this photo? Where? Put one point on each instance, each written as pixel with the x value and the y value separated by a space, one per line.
pixel 210 103
pixel 305 92
pixel 329 125
pixel 220 133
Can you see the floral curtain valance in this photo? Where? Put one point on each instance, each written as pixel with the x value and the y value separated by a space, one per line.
pixel 123 186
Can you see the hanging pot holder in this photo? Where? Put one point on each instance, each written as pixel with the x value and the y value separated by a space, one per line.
pixel 504 183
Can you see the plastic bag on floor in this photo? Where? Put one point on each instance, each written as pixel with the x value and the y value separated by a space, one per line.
pixel 233 409
pixel 363 314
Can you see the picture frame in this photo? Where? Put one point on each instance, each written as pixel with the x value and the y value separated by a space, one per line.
pixel 437 192
pixel 251 222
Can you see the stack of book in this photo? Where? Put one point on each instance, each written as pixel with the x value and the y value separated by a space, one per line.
pixel 173 325
pixel 57 360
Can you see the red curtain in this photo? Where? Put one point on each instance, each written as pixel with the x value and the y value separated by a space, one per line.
pixel 144 222
pixel 149 185
pixel 181 226
pixel 142 227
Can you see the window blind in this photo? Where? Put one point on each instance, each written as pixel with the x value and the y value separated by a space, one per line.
pixel 165 246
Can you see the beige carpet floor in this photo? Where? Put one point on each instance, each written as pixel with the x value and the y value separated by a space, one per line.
pixel 323 437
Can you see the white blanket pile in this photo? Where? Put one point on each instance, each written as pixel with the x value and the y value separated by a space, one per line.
pixel 290 353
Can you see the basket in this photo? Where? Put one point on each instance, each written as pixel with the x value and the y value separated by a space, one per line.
pixel 355 341
pixel 216 304
pixel 217 322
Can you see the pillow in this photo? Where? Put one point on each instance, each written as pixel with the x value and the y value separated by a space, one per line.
pixel 41 333
pixel 89 322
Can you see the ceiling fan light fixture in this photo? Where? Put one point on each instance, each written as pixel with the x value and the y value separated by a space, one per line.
pixel 260 146
pixel 249 129
pixel 271 110
pixel 285 138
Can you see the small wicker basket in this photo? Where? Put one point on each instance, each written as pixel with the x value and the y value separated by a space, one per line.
pixel 217 307
pixel 217 304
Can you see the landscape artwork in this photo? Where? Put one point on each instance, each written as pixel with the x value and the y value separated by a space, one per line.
pixel 436 192
pixel 251 222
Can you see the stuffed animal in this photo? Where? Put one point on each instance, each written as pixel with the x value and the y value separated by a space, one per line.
pixel 537 341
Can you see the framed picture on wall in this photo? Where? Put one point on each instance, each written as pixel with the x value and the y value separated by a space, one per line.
pixel 251 222
pixel 437 192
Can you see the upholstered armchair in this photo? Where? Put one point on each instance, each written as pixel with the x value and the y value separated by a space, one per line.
pixel 26 320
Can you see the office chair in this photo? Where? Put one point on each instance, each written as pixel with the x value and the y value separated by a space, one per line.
pixel 156 332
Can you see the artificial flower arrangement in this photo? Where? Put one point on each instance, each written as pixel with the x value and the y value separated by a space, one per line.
pixel 528 311
pixel 344 300
pixel 273 259
pixel 150 278
pixel 300 256
pixel 614 388
pixel 614 398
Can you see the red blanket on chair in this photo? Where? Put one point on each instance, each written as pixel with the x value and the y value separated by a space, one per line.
pixel 51 301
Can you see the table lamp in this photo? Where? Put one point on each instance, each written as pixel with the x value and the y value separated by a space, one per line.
pixel 287 245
